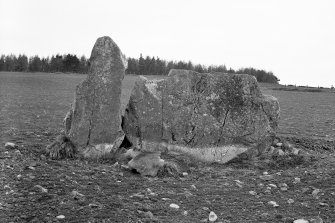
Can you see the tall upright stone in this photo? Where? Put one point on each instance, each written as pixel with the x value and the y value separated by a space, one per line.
pixel 95 117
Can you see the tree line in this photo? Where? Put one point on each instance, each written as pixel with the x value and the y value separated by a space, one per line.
pixel 140 66
pixel 55 63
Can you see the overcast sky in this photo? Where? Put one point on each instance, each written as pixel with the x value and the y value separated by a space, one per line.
pixel 294 39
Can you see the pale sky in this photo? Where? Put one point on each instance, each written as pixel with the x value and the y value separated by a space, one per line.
pixel 292 38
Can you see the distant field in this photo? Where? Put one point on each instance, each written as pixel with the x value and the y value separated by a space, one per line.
pixel 33 105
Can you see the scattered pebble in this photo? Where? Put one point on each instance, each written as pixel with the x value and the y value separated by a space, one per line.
pixel 148 214
pixel 323 204
pixel 295 151
pixel 300 221
pixel 238 181
pixel 44 190
pixel 10 145
pixel 280 152
pixel 283 189
pixel 273 185
pixel 33 164
pixel 212 217
pixel 176 206
pixel 273 203
pixel 290 201
pixel 279 144
pixel 252 193
pixel 60 216
pixel 296 180
pixel 315 192
pixel 92 205
pixel 76 195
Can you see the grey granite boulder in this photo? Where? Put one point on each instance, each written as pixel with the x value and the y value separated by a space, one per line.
pixel 194 110
pixel 95 117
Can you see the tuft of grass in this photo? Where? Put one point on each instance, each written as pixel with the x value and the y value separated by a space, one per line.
pixel 61 148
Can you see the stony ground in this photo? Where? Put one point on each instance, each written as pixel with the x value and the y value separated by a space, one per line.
pixel 36 189
pixel 41 190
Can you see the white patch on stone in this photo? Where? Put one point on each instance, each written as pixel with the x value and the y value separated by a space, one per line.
pixel 152 86
pixel 98 151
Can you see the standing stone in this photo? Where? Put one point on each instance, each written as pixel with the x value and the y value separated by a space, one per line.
pixel 202 111
pixel 95 117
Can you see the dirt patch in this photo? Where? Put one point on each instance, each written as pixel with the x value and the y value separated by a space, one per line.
pixel 111 193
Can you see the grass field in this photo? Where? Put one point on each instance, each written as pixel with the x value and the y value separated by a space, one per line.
pixel 33 106
pixel 34 188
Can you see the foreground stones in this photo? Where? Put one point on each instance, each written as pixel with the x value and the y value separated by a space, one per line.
pixel 95 117
pixel 198 112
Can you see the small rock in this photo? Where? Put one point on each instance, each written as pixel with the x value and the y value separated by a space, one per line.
pixel 33 164
pixel 252 193
pixel 43 157
pixel 19 177
pixel 265 173
pixel 273 185
pixel 18 152
pixel 280 152
pixel 212 217
pixel 76 195
pixel 238 181
pixel 268 188
pixel 175 206
pixel 92 205
pixel 193 187
pixel 283 189
pixel 295 151
pixel 282 185
pixel 271 150
pixel 273 203
pixel 323 204
pixel 266 177
pixel 296 180
pixel 315 192
pixel 300 221
pixel 267 191
pixel 31 167
pixel 279 144
pixel 165 199
pixel 60 216
pixel 10 145
pixel 148 214
pixel 44 190
pixel 290 201
pixel 185 213
pixel 185 174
